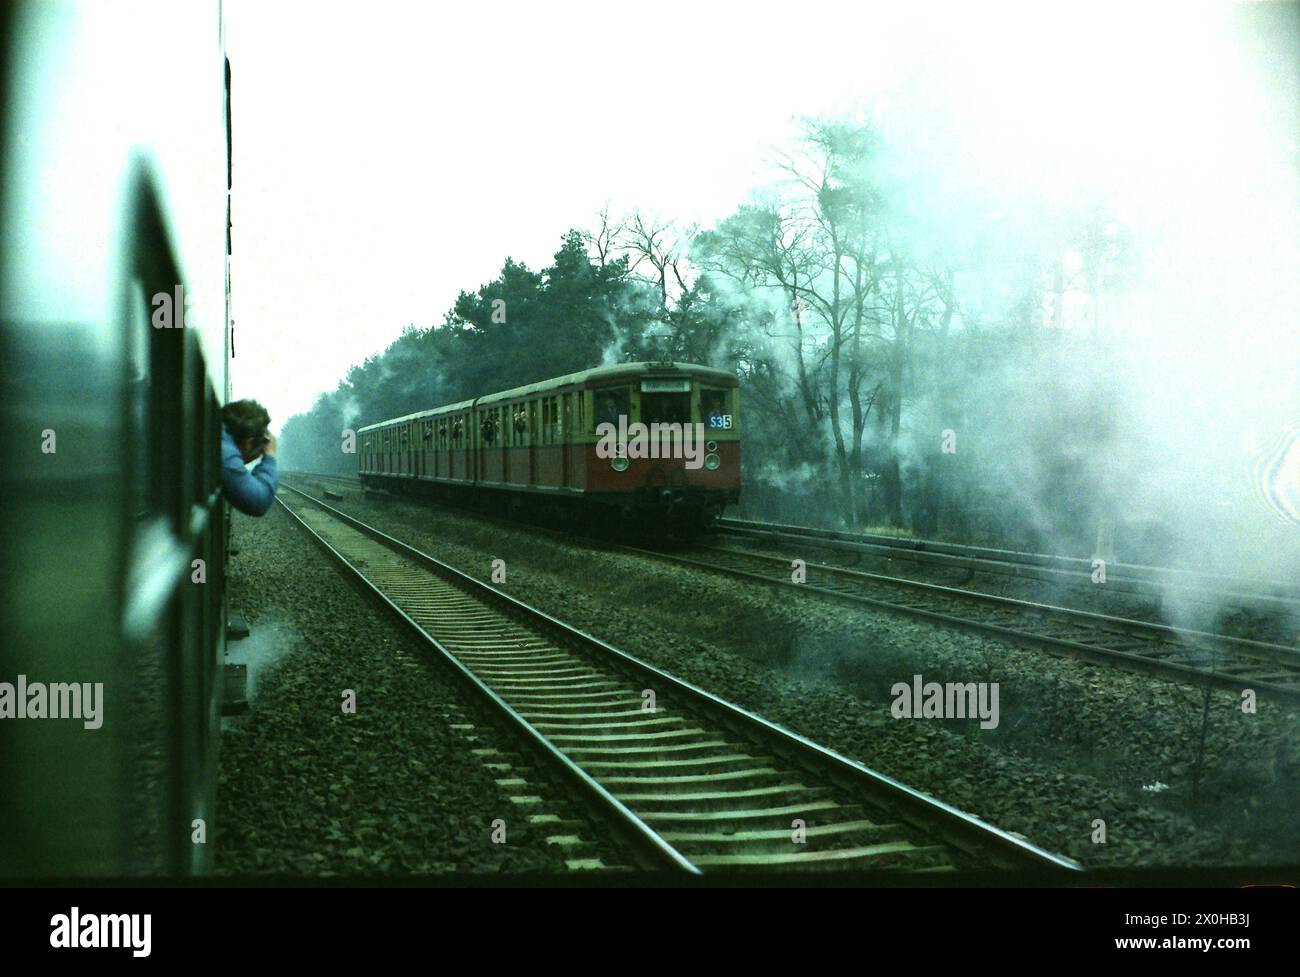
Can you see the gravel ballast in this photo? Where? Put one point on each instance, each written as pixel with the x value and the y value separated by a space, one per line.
pixel 1075 744
pixel 395 788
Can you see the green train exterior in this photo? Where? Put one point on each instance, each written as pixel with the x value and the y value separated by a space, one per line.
pixel 114 190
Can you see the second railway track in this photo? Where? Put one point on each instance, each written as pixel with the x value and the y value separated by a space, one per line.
pixel 690 781
pixel 1156 649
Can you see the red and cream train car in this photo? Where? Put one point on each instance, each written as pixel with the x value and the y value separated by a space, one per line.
pixel 538 446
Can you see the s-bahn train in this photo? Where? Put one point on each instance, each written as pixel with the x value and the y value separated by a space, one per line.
pixel 114 302
pixel 645 441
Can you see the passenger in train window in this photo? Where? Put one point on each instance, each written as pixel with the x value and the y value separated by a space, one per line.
pixel 244 439
pixel 608 408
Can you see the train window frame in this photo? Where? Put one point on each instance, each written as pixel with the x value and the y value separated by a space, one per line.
pixel 613 390
pixel 652 405
pixel 728 412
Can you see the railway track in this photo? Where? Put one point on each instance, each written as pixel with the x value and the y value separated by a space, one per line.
pixel 691 782
pixel 1156 649
pixel 1143 581
pixel 1136 579
pixel 1148 647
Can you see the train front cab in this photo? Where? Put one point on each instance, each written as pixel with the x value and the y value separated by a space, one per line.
pixel 667 487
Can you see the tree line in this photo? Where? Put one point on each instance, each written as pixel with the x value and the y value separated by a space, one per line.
pixel 907 358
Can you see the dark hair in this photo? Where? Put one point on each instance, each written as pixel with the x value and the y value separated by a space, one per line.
pixel 245 419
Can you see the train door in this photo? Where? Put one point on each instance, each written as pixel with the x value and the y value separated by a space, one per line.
pixel 580 431
pixel 509 441
pixel 439 440
pixel 467 446
pixel 532 442
pixel 426 447
pixel 480 443
pixel 476 443
pixel 543 440
pixel 566 439
pixel 455 432
pixel 503 438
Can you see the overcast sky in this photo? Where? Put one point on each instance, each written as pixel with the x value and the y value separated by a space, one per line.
pixel 388 155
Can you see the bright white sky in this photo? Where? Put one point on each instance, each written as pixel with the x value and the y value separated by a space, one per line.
pixel 388 155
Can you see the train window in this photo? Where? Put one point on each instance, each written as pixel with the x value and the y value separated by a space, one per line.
pixel 519 423
pixel 665 408
pixel 488 426
pixel 715 409
pixel 611 403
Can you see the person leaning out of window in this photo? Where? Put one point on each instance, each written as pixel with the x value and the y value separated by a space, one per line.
pixel 245 439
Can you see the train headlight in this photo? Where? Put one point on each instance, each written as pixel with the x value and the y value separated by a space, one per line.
pixel 710 446
pixel 619 464
pixel 712 461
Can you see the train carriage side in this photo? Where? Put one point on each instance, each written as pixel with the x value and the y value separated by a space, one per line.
pixel 540 440
pixel 524 442
pixel 428 446
pixel 114 297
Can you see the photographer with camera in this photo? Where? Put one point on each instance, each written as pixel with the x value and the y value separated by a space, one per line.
pixel 245 439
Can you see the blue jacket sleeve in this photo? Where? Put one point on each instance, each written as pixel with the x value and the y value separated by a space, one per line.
pixel 250 492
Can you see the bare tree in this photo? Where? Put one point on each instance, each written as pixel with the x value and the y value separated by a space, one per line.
pixel 604 240
pixel 663 246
